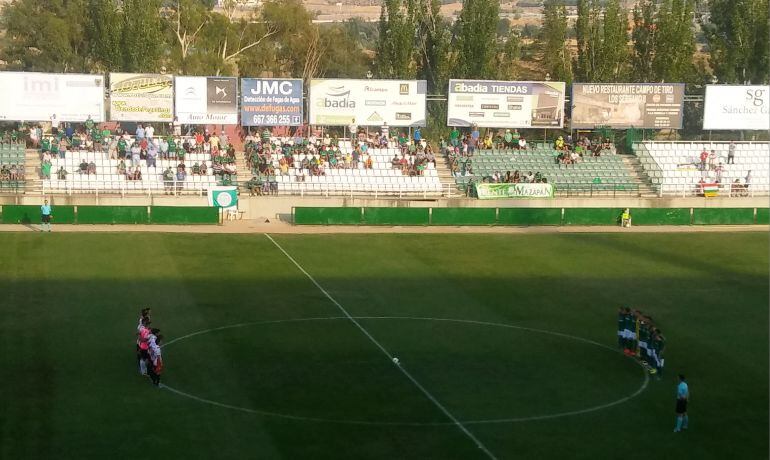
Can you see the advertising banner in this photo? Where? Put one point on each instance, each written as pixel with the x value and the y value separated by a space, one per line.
pixel 367 102
pixel 506 104
pixel 271 102
pixel 626 105
pixel 737 107
pixel 204 100
pixel 141 97
pixel 496 191
pixel 33 96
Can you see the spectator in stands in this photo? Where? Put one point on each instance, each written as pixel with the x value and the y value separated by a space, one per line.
pixel 516 177
pixel 14 174
pixel 204 169
pixel 559 144
pixel 731 153
pixel 529 177
pixel 61 174
pixel 149 132
pixel 417 135
pixel 136 152
pixel 454 137
pixel 152 154
pixel 703 157
pixel 522 143
pixel 254 186
pixel 747 181
pixel 139 132
pixel 54 125
pixel 168 180
pixel 385 134
pixel 91 168
pixel 196 169
pixel 713 160
pixel 83 166
pixel 122 147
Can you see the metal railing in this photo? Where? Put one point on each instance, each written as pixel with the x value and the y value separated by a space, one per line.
pixel 729 190
pixel 274 188
pixel 124 188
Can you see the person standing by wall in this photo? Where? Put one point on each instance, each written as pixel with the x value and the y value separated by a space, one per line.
pixel 45 216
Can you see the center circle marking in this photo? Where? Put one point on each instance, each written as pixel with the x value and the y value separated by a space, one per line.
pixel 616 402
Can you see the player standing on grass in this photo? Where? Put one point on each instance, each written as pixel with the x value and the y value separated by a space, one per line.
pixel 682 397
pixel 155 365
pixel 621 324
pixel 143 344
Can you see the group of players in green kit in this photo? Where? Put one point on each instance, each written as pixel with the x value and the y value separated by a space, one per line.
pixel 638 336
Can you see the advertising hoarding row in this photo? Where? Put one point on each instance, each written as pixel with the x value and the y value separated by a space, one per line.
pixel 33 96
pixel 627 105
pixel 367 102
pixel 732 107
pixel 505 104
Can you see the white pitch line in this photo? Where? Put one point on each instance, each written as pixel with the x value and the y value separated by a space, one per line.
pixel 418 318
pixel 406 373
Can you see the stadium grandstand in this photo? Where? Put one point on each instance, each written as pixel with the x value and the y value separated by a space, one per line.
pixel 686 168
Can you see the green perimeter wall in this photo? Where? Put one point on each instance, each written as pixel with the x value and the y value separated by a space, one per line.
pixel 463 216
pixel 592 216
pixel 660 216
pixel 528 216
pixel 184 215
pixel 113 215
pixel 30 214
pixel 722 216
pixel 763 216
pixel 328 216
pixel 396 216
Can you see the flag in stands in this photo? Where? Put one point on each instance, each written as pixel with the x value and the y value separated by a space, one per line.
pixel 223 197
pixel 710 189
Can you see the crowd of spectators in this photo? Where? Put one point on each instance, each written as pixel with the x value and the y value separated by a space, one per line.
pixel 11 173
pixel 315 155
pixel 572 151
pixel 143 145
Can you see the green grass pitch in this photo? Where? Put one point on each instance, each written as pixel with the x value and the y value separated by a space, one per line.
pixel 295 380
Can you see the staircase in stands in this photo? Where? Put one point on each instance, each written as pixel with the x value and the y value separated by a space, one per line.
pixel 33 184
pixel 639 176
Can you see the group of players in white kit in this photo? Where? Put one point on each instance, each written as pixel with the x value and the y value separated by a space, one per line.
pixel 148 352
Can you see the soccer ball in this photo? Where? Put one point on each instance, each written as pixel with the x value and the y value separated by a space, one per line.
pixel 395 360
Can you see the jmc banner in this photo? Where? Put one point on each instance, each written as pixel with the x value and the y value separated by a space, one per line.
pixel 506 104
pixel 737 107
pixel 367 102
pixel 204 100
pixel 141 97
pixel 32 96
pixel 271 102
pixel 626 105
pixel 495 191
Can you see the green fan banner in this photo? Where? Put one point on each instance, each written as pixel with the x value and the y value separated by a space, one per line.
pixel 223 197
pixel 496 191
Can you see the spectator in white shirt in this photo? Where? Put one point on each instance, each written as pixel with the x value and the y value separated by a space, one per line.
pixel 149 132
